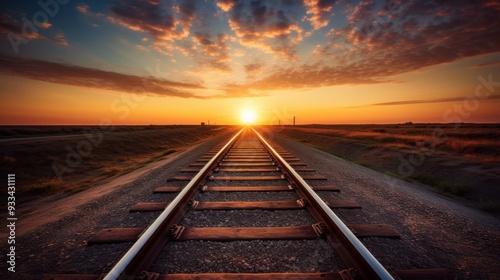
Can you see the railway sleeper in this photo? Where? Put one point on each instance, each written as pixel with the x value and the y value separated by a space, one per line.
pixel 232 169
pixel 414 274
pixel 263 178
pixel 121 235
pixel 245 205
pixel 171 189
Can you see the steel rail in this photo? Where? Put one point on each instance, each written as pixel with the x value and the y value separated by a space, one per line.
pixel 351 250
pixel 135 253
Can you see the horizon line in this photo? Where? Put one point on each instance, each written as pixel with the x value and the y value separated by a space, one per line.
pixel 199 124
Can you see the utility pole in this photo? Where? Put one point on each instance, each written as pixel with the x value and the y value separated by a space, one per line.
pixel 293 120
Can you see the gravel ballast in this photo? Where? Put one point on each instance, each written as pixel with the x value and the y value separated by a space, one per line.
pixel 254 256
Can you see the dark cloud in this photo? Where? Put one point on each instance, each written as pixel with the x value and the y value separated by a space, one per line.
pixel 8 24
pixel 93 78
pixel 164 23
pixel 17 34
pixel 261 25
pixel 146 16
pixel 187 11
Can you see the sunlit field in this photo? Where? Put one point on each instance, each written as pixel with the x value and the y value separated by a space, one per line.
pixel 67 159
pixel 456 160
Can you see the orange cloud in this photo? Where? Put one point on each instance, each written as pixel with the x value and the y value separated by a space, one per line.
pixel 84 9
pixel 225 5
pixel 214 53
pixel 253 68
pixel 60 39
pixel 318 9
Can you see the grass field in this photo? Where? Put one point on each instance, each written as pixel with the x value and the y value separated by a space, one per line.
pixel 51 160
pixel 461 160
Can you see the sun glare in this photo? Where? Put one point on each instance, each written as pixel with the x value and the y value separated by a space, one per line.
pixel 248 117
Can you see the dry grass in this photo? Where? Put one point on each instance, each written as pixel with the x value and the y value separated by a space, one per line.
pixel 471 147
pixel 9 160
pixel 467 143
pixel 43 186
pixel 458 161
pixel 111 153
pixel 111 170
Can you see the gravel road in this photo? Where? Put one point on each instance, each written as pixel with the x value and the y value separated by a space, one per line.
pixel 437 232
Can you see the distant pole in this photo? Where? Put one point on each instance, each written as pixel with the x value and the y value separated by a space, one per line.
pixel 293 120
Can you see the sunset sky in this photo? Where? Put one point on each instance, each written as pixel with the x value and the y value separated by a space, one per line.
pixel 184 62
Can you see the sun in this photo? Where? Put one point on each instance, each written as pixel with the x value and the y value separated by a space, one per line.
pixel 248 117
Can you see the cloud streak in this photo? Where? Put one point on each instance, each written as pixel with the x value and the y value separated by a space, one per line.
pixel 93 78
pixel 427 101
pixel 487 64
pixel 423 101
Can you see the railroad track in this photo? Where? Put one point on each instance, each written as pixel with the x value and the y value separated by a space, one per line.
pixel 247 164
